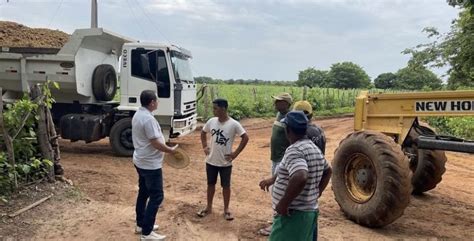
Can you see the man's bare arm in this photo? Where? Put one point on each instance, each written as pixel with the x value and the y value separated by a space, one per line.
pixel 204 142
pixel 161 146
pixel 243 143
pixel 296 185
pixel 324 180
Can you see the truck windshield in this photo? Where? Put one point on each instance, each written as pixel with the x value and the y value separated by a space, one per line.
pixel 181 67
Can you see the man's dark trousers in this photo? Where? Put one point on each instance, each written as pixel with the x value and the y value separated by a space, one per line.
pixel 150 184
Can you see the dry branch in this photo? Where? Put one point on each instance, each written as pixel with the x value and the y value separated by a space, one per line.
pixel 29 206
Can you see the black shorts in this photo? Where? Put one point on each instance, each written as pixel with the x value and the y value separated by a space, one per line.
pixel 224 172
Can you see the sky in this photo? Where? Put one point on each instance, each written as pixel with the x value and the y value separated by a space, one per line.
pixel 257 39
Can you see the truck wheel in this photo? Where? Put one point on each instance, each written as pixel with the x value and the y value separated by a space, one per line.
pixel 371 178
pixel 121 137
pixel 428 166
pixel 104 82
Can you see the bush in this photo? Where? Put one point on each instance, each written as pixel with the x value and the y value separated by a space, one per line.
pixel 462 127
pixel 29 164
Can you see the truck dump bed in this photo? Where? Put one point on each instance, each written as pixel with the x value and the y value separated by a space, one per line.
pixel 71 66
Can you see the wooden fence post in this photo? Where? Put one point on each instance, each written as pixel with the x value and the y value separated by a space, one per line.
pixel 53 140
pixel 43 134
pixel 206 104
pixel 212 94
pixel 327 99
pixel 305 92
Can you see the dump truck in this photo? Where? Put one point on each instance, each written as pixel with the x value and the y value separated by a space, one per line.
pixel 391 155
pixel 101 75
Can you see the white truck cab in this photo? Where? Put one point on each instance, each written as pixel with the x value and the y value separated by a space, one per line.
pixel 87 71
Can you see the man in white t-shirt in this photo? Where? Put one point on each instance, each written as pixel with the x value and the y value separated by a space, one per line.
pixel 219 156
pixel 149 145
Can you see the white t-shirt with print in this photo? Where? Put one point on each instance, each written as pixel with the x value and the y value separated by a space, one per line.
pixel 222 138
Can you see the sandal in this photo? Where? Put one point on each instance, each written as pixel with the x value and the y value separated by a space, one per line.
pixel 228 216
pixel 202 213
pixel 265 231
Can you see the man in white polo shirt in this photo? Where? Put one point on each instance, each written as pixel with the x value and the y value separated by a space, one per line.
pixel 150 146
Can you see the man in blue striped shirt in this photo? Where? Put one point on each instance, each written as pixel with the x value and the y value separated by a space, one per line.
pixel 300 178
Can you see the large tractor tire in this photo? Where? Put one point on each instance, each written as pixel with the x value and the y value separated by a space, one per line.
pixel 371 178
pixel 428 166
pixel 121 137
pixel 104 82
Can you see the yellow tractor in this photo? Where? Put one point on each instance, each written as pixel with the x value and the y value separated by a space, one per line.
pixel 390 155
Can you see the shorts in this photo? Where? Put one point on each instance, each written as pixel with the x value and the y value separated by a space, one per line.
pixel 224 172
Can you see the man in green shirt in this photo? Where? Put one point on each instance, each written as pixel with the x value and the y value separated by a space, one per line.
pixel 278 141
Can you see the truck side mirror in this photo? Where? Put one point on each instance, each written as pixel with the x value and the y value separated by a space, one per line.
pixel 145 63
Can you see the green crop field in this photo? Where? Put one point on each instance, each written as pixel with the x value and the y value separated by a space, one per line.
pixel 256 101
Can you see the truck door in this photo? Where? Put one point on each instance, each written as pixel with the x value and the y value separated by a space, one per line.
pixel 159 72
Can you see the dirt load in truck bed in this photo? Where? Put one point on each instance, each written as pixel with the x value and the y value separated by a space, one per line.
pixel 17 35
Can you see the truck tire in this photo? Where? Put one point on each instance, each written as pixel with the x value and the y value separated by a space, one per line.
pixel 371 178
pixel 121 137
pixel 104 82
pixel 428 166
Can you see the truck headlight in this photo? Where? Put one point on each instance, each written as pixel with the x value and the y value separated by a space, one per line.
pixel 179 124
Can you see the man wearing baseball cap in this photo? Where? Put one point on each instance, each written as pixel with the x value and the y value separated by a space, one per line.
pixel 314 132
pixel 278 141
pixel 300 177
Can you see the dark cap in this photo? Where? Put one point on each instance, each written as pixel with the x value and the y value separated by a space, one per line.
pixel 296 120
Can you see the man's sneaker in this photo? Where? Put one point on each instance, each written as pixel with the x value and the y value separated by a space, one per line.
pixel 138 230
pixel 152 236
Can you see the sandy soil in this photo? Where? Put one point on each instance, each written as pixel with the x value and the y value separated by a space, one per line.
pixel 108 187
pixel 17 35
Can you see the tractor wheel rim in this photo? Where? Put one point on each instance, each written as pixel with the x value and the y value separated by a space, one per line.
pixel 360 178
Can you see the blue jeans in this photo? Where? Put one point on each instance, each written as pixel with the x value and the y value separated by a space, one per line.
pixel 150 184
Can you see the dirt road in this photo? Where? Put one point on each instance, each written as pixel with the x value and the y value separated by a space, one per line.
pixel 109 184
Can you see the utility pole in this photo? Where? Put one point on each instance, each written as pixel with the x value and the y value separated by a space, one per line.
pixel 93 13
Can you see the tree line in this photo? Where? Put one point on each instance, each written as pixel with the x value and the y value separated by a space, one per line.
pixel 348 75
pixel 210 80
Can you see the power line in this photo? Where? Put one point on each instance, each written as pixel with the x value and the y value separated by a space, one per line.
pixel 137 19
pixel 55 13
pixel 151 21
